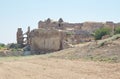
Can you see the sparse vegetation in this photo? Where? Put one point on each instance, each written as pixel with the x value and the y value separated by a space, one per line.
pixel 102 42
pixel 69 33
pixel 2 46
pixel 117 30
pixel 99 33
pixel 110 59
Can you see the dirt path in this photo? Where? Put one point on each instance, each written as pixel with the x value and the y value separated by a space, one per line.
pixel 47 68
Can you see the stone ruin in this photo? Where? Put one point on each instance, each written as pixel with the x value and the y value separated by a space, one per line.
pixel 41 40
pixel 23 40
pixel 57 35
pixel 20 36
pixel 46 40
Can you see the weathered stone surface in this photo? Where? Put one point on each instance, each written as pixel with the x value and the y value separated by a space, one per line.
pixel 44 40
pixel 87 26
pixel 78 36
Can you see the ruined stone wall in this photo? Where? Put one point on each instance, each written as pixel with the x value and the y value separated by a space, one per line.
pixel 109 24
pixel 92 26
pixel 43 40
pixel 86 26
pixel 78 36
pixel 47 25
pixel 58 24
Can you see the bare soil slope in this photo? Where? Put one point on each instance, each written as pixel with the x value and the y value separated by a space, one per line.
pixel 107 50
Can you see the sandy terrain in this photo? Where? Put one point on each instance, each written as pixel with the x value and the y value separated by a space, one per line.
pixel 53 68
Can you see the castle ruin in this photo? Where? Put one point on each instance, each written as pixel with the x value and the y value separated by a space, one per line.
pixel 56 35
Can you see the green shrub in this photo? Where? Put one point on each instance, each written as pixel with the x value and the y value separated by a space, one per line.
pixel 99 33
pixel 2 45
pixel 69 33
pixel 117 30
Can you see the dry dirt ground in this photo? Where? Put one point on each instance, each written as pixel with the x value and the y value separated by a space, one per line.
pixel 37 67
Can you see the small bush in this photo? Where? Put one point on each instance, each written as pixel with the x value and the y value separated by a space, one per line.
pixel 99 33
pixel 117 30
pixel 2 45
pixel 102 44
pixel 69 33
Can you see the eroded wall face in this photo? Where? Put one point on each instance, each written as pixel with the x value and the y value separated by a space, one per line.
pixel 43 40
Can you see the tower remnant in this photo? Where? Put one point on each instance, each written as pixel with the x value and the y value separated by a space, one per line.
pixel 20 37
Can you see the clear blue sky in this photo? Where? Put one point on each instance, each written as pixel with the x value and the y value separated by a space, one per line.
pixel 23 13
